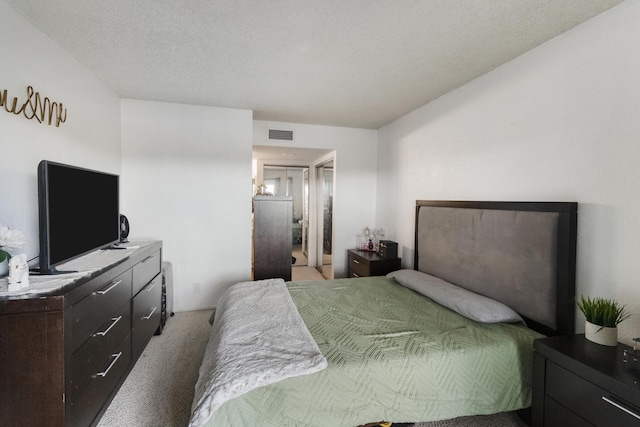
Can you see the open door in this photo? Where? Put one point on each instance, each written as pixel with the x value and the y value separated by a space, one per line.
pixel 324 194
pixel 305 214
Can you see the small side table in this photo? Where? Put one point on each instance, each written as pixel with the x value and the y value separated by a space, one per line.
pixel 365 264
pixel 580 383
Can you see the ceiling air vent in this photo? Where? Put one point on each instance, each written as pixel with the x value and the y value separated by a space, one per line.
pixel 283 135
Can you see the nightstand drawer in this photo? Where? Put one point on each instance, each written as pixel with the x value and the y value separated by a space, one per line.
pixel 365 264
pixel 557 415
pixel 358 267
pixel 588 400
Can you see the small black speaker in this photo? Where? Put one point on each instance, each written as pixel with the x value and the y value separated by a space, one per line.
pixel 124 229
pixel 388 249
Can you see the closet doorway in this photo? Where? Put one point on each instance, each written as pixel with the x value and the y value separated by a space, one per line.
pixel 285 162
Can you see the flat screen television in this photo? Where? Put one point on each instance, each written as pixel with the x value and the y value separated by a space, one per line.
pixel 78 210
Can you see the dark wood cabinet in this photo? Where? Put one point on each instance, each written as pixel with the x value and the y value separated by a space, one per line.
pixel 272 241
pixel 65 353
pixel 580 383
pixel 365 264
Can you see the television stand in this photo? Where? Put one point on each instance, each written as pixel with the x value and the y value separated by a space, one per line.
pixel 70 348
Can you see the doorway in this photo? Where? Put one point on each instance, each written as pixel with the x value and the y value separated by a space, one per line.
pixel 306 159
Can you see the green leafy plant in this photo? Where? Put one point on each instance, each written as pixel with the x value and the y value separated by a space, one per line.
pixel 602 311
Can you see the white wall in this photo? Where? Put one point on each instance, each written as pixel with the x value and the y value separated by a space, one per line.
pixel 185 170
pixel 560 123
pixel 186 180
pixel 355 177
pixel 90 137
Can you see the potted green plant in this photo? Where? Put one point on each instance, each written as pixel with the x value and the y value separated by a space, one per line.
pixel 602 316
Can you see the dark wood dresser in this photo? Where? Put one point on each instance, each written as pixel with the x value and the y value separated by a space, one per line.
pixel 65 353
pixel 365 264
pixel 580 383
pixel 272 241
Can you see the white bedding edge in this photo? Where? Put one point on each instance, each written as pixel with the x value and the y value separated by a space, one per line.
pixel 257 338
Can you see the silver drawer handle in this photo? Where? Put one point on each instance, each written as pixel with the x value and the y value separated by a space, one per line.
pixel 150 314
pixel 149 258
pixel 355 261
pixel 104 291
pixel 151 286
pixel 356 275
pixel 104 374
pixel 105 332
pixel 622 408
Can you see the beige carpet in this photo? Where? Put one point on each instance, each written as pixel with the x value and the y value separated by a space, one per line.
pixel 159 389
pixel 301 259
pixel 305 273
pixel 508 419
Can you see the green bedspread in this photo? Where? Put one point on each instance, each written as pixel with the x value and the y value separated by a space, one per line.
pixel 393 355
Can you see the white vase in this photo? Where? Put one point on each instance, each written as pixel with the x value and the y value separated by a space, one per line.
pixel 601 335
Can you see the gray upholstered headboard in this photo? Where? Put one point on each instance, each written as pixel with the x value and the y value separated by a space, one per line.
pixel 520 253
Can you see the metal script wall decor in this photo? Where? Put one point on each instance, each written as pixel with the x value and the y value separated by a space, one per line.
pixel 35 107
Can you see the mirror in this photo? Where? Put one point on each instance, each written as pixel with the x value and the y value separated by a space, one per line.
pixel 291 181
pixel 305 212
pixel 325 216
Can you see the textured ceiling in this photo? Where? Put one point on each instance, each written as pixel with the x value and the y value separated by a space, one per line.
pixel 354 63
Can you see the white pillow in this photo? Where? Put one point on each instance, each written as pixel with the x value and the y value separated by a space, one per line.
pixel 466 303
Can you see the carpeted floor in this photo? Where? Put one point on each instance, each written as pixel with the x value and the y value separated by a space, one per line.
pixel 305 273
pixel 159 390
pixel 507 419
pixel 301 259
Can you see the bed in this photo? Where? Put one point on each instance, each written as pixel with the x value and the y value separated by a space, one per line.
pixel 451 337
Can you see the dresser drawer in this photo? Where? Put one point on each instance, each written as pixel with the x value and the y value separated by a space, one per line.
pixel 98 307
pixel 588 400
pixel 94 381
pixel 146 270
pixel 146 314
pixel 104 342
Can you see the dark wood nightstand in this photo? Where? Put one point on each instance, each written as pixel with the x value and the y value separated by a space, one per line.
pixel 580 383
pixel 365 264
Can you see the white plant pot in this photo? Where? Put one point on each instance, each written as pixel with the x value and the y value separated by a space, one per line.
pixel 600 335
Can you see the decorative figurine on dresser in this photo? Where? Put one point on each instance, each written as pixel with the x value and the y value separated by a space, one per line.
pixel 18 272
